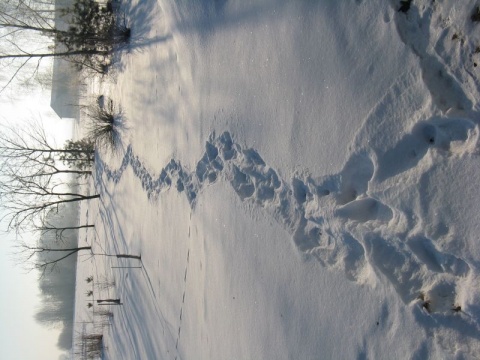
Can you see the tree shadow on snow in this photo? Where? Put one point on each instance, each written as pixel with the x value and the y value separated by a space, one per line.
pixel 140 17
pixel 205 16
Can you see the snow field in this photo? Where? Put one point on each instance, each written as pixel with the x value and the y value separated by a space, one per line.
pixel 270 141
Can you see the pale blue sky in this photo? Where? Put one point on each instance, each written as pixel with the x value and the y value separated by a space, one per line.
pixel 21 337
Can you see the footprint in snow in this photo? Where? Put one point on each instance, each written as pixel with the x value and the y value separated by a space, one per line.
pixel 299 206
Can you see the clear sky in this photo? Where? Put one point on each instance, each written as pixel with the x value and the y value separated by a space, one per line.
pixel 21 337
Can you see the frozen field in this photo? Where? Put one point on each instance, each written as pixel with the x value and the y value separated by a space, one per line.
pixel 300 179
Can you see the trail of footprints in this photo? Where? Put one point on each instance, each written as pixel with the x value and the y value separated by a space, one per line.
pixel 179 332
pixel 333 218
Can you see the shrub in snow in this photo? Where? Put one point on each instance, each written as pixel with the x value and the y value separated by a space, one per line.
pixel 105 125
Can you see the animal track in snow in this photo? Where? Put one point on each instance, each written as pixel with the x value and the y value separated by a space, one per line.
pixel 356 174
pixel 333 219
pixel 365 210
pixel 424 249
pixel 452 136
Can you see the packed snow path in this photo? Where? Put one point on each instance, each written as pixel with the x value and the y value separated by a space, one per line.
pixel 338 219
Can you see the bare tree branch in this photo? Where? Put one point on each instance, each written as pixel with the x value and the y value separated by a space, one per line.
pixel 44 258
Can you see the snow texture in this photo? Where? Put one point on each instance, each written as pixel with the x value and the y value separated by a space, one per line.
pixel 299 179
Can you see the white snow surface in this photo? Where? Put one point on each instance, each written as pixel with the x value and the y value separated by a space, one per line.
pixel 300 179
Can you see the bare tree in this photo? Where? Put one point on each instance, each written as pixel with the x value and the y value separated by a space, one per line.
pixel 48 252
pixel 46 167
pixel 26 201
pixel 31 143
pixel 59 231
pixel 46 258
pixel 37 176
pixel 61 228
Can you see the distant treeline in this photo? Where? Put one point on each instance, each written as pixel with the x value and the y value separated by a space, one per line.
pixel 57 288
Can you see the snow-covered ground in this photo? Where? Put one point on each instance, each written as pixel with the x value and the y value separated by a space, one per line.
pixel 300 179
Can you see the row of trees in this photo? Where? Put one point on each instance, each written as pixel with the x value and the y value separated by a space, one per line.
pixel 38 183
pixel 33 173
pixel 85 34
pixel 49 178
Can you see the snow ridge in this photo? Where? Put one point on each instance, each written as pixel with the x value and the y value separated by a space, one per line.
pixel 334 219
pixel 445 44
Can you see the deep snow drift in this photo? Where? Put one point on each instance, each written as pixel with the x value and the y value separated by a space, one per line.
pixel 300 179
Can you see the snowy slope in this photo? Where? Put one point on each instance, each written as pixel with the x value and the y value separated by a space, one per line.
pixel 299 178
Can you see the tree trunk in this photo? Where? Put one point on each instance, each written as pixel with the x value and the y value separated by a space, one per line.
pixel 71 249
pixel 116 301
pixel 59 54
pixel 123 256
